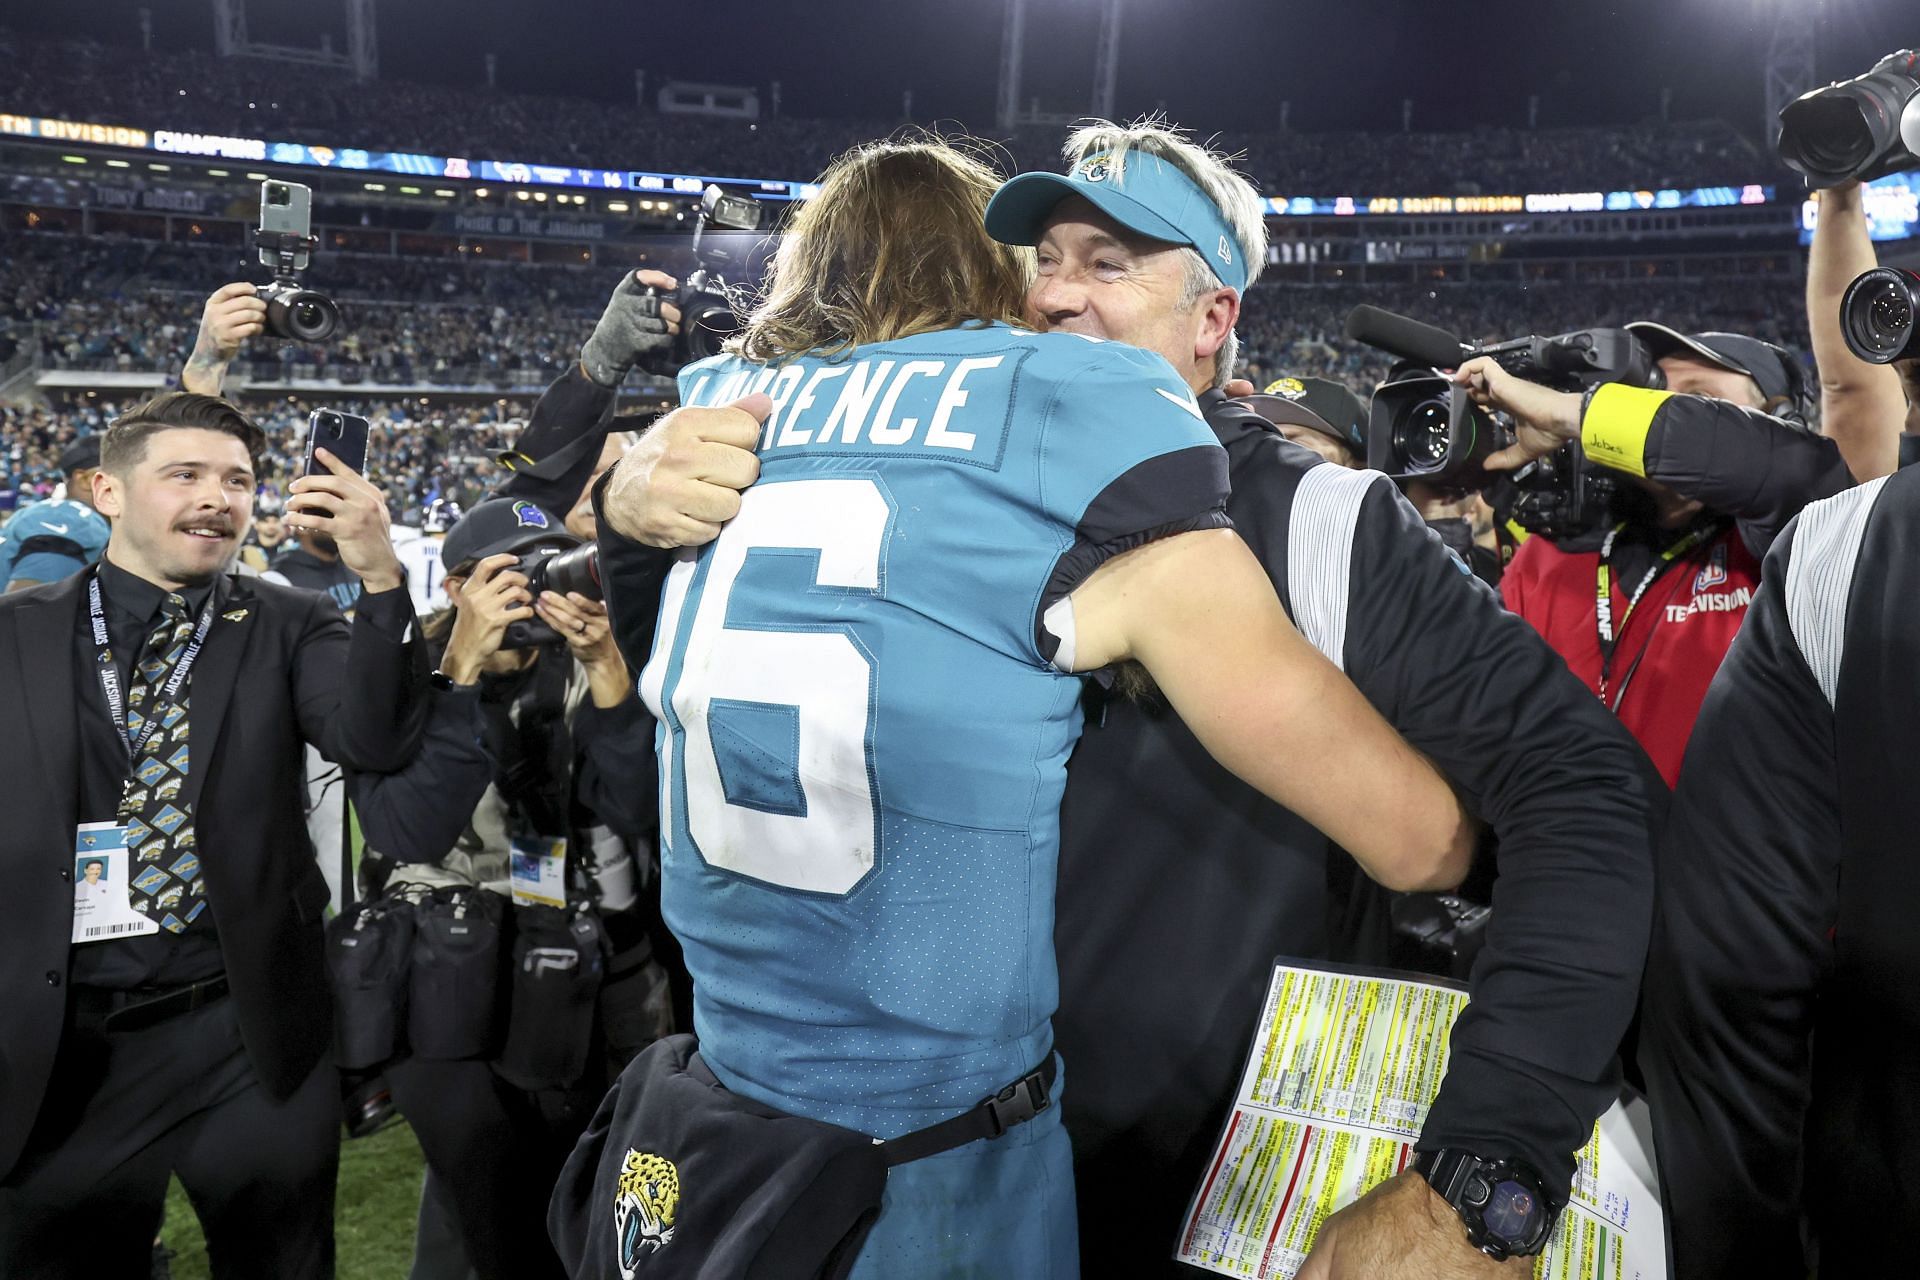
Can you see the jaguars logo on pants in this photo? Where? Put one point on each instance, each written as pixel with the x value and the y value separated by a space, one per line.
pixel 645 1203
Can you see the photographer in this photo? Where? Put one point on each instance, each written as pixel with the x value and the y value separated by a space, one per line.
pixel 534 742
pixel 1708 479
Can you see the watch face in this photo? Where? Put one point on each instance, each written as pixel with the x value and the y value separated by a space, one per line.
pixel 1513 1213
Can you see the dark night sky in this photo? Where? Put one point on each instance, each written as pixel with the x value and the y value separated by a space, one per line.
pixel 1215 63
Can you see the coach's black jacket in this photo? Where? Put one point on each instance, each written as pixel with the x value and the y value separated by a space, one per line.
pixel 1179 884
pixel 280 667
pixel 1781 1025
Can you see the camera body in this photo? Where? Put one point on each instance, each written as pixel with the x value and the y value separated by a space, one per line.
pixel 725 234
pixel 1423 427
pixel 1856 130
pixel 286 242
pixel 560 570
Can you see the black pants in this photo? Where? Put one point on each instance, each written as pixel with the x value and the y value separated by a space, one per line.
pixel 125 1109
pixel 495 1152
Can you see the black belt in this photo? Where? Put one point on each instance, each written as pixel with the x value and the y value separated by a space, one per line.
pixel 143 1007
pixel 1016 1104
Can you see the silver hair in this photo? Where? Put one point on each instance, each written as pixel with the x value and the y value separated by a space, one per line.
pixel 1232 194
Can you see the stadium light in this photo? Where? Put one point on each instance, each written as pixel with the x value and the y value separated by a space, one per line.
pixel 409 191
pixel 118 164
pixel 616 206
pixel 445 194
pixel 522 195
pixel 74 159
pixel 217 173
pixel 376 186
pixel 161 168
pixel 256 177
pixel 480 193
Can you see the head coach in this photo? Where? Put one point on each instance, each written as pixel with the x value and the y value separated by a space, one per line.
pixel 1179 884
pixel 157 708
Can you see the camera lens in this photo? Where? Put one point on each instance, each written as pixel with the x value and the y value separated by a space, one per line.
pixel 577 570
pixel 1889 316
pixel 1420 437
pixel 1851 130
pixel 1828 137
pixel 707 324
pixel 301 315
pixel 1877 316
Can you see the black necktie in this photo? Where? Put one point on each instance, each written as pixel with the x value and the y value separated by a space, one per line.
pixel 166 878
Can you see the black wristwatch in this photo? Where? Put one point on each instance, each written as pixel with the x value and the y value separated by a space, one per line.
pixel 1503 1203
pixel 442 681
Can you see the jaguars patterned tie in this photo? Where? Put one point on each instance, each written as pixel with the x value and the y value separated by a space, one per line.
pixel 159 820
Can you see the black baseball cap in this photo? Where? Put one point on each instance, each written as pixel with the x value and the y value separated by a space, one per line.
pixel 83 454
pixel 498 526
pixel 1775 372
pixel 1319 404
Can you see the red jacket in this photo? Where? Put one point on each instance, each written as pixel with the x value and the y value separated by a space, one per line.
pixel 1669 646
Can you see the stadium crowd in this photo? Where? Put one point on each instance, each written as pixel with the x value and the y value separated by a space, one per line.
pixel 85 80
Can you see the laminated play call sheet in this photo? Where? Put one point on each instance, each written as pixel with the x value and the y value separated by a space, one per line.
pixel 1337 1085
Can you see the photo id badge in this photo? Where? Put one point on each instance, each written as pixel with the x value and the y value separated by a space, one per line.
pixel 539 872
pixel 102 898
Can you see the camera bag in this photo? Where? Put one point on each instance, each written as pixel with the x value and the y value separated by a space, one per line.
pixel 455 974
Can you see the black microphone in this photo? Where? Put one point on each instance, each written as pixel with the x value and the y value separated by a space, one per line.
pixel 1406 338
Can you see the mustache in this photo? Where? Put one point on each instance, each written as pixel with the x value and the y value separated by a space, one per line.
pixel 219 523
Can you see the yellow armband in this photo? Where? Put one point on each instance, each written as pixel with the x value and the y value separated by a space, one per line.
pixel 1614 429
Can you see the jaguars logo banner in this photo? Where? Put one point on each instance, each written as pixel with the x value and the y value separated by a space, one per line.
pixel 645 1202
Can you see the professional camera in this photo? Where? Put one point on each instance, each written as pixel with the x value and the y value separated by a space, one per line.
pixel 559 570
pixel 1856 130
pixel 1423 427
pixel 1877 315
pixel 725 234
pixel 286 242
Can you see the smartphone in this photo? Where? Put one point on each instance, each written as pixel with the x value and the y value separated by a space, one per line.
pixel 344 435
pixel 286 208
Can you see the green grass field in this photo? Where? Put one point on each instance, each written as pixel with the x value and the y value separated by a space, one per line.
pixel 373 1212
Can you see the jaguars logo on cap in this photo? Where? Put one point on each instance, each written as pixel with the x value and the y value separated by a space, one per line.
pixel 645 1203
pixel 1287 388
pixel 1096 168
pixel 530 516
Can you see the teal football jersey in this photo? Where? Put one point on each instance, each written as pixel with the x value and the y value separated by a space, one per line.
pixel 865 719
pixel 51 540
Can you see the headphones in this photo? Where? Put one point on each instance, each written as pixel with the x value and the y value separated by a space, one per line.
pixel 1797 406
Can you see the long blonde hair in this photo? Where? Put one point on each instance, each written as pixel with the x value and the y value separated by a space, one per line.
pixel 894 244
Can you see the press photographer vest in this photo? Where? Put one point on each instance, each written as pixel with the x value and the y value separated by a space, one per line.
pixel 1666 648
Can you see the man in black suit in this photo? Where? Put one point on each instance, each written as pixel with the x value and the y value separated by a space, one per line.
pixel 155 712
